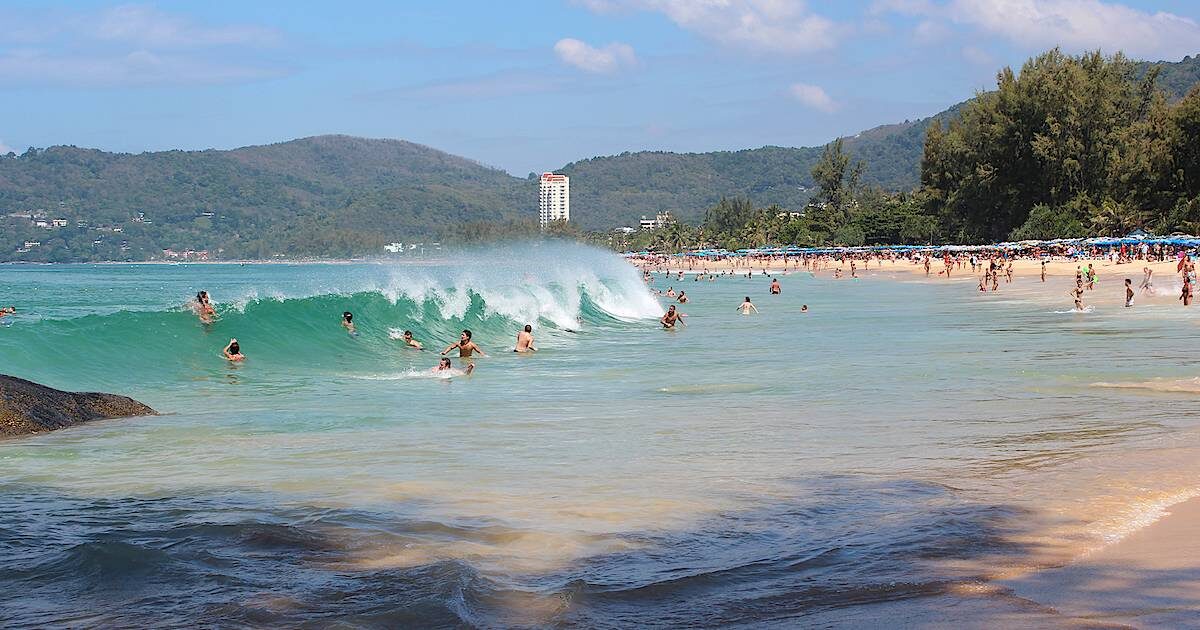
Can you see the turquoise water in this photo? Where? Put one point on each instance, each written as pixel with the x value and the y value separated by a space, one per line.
pixel 901 440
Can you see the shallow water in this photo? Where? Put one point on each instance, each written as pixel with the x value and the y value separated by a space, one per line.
pixel 899 445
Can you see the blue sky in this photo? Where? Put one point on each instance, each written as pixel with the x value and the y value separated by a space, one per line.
pixel 529 85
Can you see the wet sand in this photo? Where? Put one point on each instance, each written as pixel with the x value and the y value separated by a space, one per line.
pixel 1149 579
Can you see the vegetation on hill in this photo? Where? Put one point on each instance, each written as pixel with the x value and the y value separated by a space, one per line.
pixel 1071 144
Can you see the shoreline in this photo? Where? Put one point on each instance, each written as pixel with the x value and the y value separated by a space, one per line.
pixel 1151 577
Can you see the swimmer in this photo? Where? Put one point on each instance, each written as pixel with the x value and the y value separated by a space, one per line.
pixel 1128 292
pixel 670 292
pixel 410 342
pixel 803 308
pixel 10 310
pixel 465 346
pixel 747 306
pixel 204 308
pixel 775 288
pixel 672 317
pixel 683 298
pixel 233 351
pixel 525 340
pixel 444 366
pixel 348 322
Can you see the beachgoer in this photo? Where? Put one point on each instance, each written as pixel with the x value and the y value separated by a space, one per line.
pixel 525 340
pixel 803 308
pixel 670 292
pixel 444 366
pixel 683 298
pixel 1091 277
pixel 348 322
pixel 1128 292
pixel 233 351
pixel 465 346
pixel 1147 285
pixel 747 306
pixel 1077 294
pixel 204 308
pixel 671 317
pixel 775 288
pixel 410 342
pixel 6 311
pixel 1043 271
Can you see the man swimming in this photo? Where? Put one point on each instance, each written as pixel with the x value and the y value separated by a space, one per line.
pixel 747 306
pixel 465 346
pixel 233 351
pixel 410 342
pixel 671 317
pixel 775 288
pixel 525 340
pixel 10 310
pixel 348 322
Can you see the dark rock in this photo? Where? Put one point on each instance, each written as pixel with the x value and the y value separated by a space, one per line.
pixel 26 407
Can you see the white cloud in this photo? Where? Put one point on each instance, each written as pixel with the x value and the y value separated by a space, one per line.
pixel 1074 25
pixel 775 26
pixel 588 58
pixel 147 26
pixel 812 96
pixel 1083 24
pixel 930 32
pixel 135 69
pixel 979 56
pixel 130 45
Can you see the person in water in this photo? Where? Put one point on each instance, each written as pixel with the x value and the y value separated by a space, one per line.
pixel 348 322
pixel 465 346
pixel 747 306
pixel 1128 292
pixel 204 308
pixel 670 292
pixel 444 366
pixel 10 310
pixel 525 340
pixel 803 308
pixel 775 288
pixel 410 342
pixel 1043 271
pixel 1147 285
pixel 233 351
pixel 683 298
pixel 1077 294
pixel 671 317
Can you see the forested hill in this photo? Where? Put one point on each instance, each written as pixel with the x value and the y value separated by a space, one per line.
pixel 343 196
pixel 619 189
pixel 326 196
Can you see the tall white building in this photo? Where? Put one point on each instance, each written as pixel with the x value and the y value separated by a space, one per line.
pixel 554 198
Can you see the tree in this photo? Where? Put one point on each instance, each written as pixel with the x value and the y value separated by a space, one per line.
pixel 837 180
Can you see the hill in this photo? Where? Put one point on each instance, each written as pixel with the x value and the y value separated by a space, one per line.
pixel 326 195
pixel 343 196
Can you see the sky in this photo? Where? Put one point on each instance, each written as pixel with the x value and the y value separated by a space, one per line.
pixel 525 85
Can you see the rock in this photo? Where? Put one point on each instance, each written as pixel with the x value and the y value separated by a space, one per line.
pixel 26 407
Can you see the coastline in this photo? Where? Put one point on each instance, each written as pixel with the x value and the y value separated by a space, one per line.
pixel 1150 578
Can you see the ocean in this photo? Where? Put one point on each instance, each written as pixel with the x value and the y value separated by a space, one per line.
pixel 887 458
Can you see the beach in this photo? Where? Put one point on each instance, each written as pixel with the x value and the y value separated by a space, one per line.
pixel 909 451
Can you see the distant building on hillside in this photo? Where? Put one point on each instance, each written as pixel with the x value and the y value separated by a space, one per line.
pixel 661 219
pixel 554 198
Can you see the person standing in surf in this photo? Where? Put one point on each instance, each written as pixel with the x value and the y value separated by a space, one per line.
pixel 465 346
pixel 775 288
pixel 747 306
pixel 671 317
pixel 1147 285
pixel 1077 294
pixel 1128 292
pixel 525 340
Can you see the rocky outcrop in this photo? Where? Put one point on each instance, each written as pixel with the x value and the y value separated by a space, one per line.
pixel 26 407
